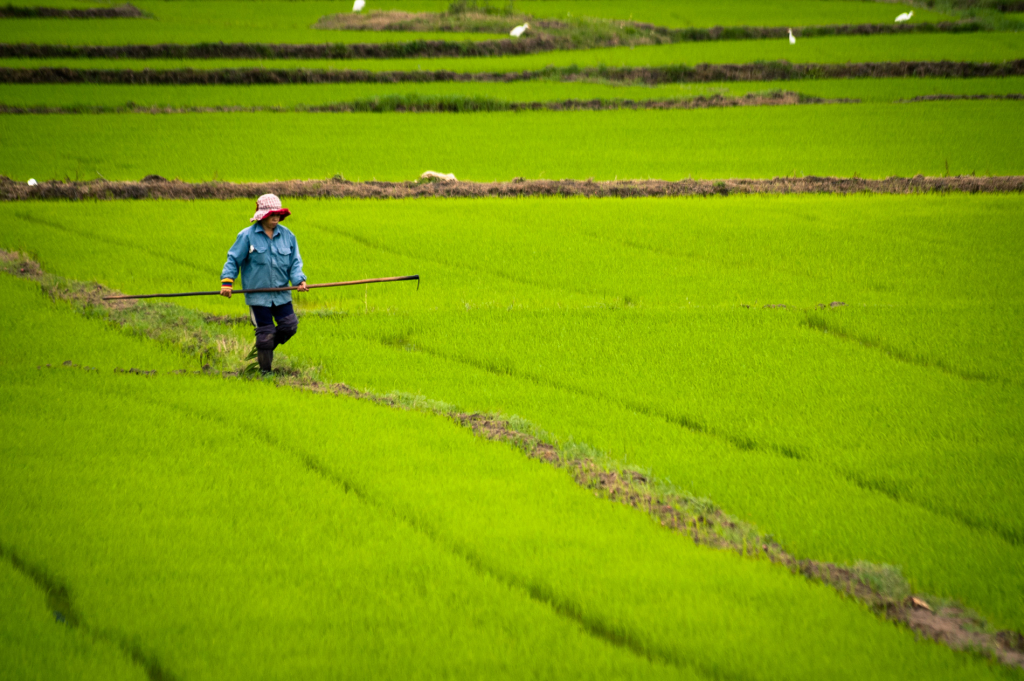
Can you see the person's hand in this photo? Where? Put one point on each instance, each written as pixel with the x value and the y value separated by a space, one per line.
pixel 225 291
pixel 302 287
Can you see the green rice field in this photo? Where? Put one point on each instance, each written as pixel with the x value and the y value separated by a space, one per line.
pixel 973 137
pixel 720 438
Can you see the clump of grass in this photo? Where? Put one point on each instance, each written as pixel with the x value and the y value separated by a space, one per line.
pixel 886 580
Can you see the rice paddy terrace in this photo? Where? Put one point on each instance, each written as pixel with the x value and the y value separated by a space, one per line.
pixel 714 370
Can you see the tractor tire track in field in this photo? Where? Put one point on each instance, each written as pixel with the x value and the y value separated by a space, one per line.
pixel 58 600
pixel 650 75
pixel 156 187
pixel 469 105
pixel 697 518
pixel 819 323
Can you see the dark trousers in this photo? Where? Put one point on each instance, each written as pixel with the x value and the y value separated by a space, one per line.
pixel 269 336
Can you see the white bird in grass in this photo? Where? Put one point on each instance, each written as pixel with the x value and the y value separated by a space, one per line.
pixel 792 39
pixel 519 30
pixel 358 5
pixel 905 16
pixel 32 182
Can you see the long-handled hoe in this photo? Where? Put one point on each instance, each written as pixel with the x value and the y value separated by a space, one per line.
pixel 271 290
pixel 251 369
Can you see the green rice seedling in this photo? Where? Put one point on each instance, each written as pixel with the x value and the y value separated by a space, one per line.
pixel 837 140
pixel 90 97
pixel 973 47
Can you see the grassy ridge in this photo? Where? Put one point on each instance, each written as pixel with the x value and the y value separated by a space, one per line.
pixel 983 47
pixel 290 96
pixel 972 137
pixel 406 548
pixel 618 323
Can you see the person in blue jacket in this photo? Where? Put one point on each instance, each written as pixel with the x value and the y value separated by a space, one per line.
pixel 267 255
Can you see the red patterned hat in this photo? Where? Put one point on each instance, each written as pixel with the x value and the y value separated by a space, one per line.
pixel 269 204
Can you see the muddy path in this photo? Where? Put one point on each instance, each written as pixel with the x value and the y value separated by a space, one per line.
pixel 155 187
pixel 701 73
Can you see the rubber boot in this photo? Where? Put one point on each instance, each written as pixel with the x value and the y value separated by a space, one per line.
pixel 266 360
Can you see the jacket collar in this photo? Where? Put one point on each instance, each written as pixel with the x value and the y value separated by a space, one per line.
pixel 259 230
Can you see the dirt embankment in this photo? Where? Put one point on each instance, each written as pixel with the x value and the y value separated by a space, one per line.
pixel 457 105
pixel 125 11
pixel 701 73
pixel 154 187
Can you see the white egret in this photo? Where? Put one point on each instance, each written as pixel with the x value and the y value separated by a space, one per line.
pixel 434 175
pixel 792 38
pixel 905 16
pixel 358 5
pixel 32 182
pixel 519 30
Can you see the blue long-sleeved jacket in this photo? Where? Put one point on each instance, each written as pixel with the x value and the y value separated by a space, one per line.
pixel 264 263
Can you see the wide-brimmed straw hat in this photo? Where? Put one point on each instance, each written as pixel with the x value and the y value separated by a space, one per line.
pixel 269 204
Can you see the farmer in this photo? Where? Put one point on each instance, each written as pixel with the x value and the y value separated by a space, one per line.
pixel 268 256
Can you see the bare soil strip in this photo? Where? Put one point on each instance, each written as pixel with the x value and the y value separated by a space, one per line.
pixel 155 187
pixel 125 11
pixel 881 587
pixel 701 73
pixel 459 105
